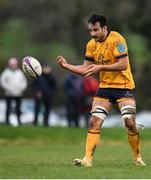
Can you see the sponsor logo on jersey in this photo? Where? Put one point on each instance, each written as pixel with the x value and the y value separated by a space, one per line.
pixel 102 60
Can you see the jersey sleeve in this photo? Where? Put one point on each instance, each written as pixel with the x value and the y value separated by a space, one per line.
pixel 89 52
pixel 120 49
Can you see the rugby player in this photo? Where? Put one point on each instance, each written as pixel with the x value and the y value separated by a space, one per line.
pixel 107 55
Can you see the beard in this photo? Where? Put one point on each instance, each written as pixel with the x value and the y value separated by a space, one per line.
pixel 99 38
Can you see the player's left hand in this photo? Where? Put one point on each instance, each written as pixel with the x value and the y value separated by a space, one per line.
pixel 92 69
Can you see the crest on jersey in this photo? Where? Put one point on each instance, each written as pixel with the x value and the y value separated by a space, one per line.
pixel 121 48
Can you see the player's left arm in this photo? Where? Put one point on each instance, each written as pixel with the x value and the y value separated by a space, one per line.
pixel 121 55
pixel 120 65
pixel 120 52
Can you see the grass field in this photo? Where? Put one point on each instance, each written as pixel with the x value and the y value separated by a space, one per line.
pixel 37 153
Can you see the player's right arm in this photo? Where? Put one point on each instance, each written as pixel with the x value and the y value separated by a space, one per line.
pixel 78 69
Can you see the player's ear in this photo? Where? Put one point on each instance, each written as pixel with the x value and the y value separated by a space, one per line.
pixel 105 28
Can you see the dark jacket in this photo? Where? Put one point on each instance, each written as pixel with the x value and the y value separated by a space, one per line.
pixel 46 84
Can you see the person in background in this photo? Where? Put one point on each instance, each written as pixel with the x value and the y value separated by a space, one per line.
pixel 44 88
pixel 73 88
pixel 14 83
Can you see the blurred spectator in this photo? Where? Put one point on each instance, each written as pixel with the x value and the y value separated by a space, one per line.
pixel 44 88
pixel 73 88
pixel 90 86
pixel 14 82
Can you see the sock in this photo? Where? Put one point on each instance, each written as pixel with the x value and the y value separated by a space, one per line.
pixel 134 140
pixel 93 139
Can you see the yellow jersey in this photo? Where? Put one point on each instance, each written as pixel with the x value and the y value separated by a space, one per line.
pixel 108 52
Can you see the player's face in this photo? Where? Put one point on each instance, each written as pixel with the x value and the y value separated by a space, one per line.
pixel 97 32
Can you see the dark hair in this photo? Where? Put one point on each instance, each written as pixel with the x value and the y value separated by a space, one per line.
pixel 98 18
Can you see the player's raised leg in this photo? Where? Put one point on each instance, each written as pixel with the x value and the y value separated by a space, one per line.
pixel 100 109
pixel 128 112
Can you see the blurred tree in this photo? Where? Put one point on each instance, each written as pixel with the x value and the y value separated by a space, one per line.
pixel 140 57
pixel 144 102
pixel 138 48
pixel 15 39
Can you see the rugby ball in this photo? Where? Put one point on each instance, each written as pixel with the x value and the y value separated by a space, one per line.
pixel 31 66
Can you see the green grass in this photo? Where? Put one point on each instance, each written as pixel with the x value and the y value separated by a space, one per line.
pixel 37 153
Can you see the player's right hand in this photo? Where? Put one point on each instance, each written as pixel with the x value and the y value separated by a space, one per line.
pixel 61 61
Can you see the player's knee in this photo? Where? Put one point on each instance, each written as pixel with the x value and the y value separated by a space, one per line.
pixel 128 115
pixel 95 123
pixel 130 124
